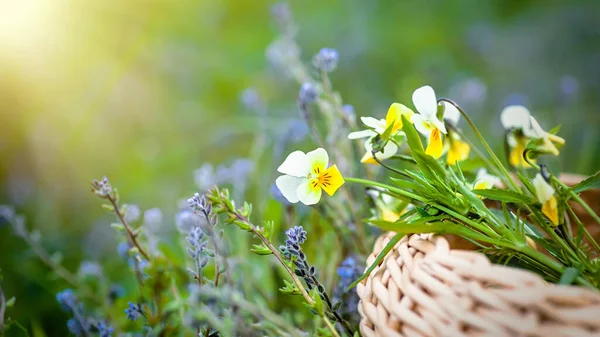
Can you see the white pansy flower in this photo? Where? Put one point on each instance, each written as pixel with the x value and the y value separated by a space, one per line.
pixel 306 174
pixel 427 122
pixel 484 180
pixel 378 127
pixel 544 193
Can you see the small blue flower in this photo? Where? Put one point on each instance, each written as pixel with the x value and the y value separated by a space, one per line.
pixel 349 112
pixel 347 270
pixel 133 312
pixel 326 59
pixel 308 93
pixel 295 236
pixel 297 130
pixel 123 250
pixel 75 327
pixel 67 300
pixel 104 330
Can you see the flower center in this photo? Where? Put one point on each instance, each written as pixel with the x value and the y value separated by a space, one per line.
pixel 319 178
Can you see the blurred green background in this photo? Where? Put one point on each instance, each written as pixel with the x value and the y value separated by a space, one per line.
pixel 147 91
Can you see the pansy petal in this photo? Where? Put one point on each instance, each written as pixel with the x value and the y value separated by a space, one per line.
pixel 308 194
pixel 543 190
pixel 451 113
pixel 394 115
pixel 296 164
pixel 425 101
pixel 317 160
pixel 440 125
pixel 535 130
pixel 371 122
pixel 421 124
pixel 550 209
pixel 435 146
pixel 389 150
pixel 361 134
pixel 332 180
pixel 288 186
pixel 515 116
pixel 458 151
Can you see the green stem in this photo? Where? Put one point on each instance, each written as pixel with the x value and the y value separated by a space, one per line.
pixel 331 327
pixel 409 195
pixel 507 176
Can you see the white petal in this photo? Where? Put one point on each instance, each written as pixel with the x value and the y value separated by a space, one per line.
pixel 421 124
pixel 535 131
pixel 440 125
pixel 486 179
pixel 543 190
pixel 371 122
pixel 318 157
pixel 307 195
pixel 296 164
pixel 389 150
pixel 451 113
pixel 361 134
pixel 515 116
pixel 288 186
pixel 425 101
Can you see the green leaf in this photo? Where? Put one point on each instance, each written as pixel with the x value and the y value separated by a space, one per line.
pixel 261 250
pixel 412 137
pixel 503 195
pixel 108 208
pixel 10 302
pixel 555 129
pixel 590 182
pixel 568 276
pixel 318 305
pixel 118 226
pixel 393 241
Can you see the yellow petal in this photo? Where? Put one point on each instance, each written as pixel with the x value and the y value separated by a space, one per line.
pixel 331 180
pixel 458 151
pixel 368 159
pixel 516 156
pixel 394 116
pixel 435 147
pixel 388 215
pixel 550 209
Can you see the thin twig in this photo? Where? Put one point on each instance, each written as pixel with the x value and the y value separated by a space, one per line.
pixel 130 234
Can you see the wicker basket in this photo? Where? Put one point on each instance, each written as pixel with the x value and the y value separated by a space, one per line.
pixel 424 288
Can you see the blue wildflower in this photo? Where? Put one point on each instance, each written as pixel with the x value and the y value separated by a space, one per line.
pixel 295 236
pixel 67 300
pixel 123 250
pixel 104 330
pixel 297 130
pixel 75 327
pixel 308 93
pixel 133 312
pixel 326 60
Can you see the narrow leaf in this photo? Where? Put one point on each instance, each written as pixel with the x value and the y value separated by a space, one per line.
pixel 503 195
pixel 379 258
pixel 568 276
pixel 590 182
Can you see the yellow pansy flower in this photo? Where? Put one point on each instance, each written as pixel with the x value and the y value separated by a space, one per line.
pixel 306 175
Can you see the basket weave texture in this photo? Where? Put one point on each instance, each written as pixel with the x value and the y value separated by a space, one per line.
pixel 424 288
